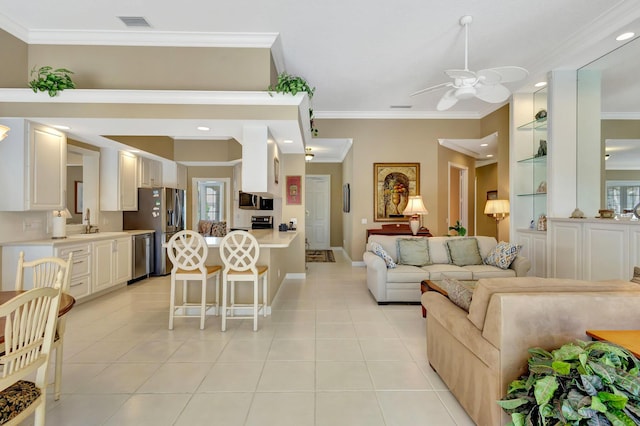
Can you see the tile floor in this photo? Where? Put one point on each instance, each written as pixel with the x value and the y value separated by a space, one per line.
pixel 328 355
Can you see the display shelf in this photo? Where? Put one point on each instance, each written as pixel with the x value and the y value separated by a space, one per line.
pixel 535 125
pixel 542 159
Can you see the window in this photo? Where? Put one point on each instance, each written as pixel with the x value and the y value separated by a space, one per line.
pixel 211 200
pixel 622 196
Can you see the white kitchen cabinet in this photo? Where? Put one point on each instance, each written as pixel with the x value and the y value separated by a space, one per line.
pixel 118 180
pixel 150 173
pixel 112 265
pixel 174 175
pixel 33 167
pixel 98 265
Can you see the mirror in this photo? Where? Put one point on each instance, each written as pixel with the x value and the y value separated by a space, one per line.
pixel 608 132
pixel 83 166
pixel 74 183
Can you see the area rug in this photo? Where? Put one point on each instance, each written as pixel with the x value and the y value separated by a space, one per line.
pixel 320 256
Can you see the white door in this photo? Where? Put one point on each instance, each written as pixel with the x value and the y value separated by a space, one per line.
pixel 317 222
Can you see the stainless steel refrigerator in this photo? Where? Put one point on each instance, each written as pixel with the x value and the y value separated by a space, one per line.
pixel 161 210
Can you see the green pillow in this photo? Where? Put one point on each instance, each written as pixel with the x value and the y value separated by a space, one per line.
pixel 413 251
pixel 464 251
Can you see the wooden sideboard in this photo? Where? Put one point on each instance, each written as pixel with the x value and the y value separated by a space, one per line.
pixel 397 229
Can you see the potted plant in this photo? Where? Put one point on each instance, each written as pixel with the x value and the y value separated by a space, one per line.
pixel 581 383
pixel 51 80
pixel 460 230
pixel 293 84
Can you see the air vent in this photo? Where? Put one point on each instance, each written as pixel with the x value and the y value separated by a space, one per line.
pixel 400 106
pixel 134 21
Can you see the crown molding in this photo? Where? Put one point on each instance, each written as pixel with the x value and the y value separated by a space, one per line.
pixel 396 115
pixel 620 116
pixel 13 28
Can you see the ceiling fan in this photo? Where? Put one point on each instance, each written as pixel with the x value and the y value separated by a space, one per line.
pixel 484 84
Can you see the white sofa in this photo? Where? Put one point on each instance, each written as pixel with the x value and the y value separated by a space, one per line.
pixel 402 283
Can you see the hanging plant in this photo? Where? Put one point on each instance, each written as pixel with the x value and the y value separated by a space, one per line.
pixel 51 80
pixel 293 84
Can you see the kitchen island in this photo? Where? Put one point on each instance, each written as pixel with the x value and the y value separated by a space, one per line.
pixel 280 251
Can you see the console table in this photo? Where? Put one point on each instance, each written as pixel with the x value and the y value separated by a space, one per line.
pixel 397 229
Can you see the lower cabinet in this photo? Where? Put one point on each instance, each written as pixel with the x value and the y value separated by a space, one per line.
pixel 534 248
pixel 97 265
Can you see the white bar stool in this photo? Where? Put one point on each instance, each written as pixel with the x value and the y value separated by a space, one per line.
pixel 239 252
pixel 188 252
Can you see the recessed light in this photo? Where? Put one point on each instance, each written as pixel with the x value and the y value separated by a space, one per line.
pixel 484 144
pixel 489 155
pixel 61 127
pixel 540 84
pixel 287 141
pixel 203 128
pixel 625 36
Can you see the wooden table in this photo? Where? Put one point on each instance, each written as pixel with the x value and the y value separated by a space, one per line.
pixel 427 285
pixel 397 229
pixel 628 339
pixel 66 303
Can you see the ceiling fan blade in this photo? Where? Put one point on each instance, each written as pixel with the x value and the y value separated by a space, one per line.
pixel 493 94
pixel 428 89
pixel 489 76
pixel 447 101
pixel 461 74
pixel 508 73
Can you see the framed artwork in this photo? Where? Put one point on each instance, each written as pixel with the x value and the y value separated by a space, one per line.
pixel 78 197
pixel 276 169
pixel 492 195
pixel 393 183
pixel 346 198
pixel 294 189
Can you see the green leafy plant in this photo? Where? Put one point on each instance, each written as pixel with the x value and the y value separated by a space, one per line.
pixel 581 383
pixel 293 84
pixel 51 80
pixel 460 230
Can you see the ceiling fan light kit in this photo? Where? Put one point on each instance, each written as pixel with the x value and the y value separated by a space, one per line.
pixel 484 84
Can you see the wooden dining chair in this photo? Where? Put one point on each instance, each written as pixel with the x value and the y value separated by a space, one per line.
pixel 29 322
pixel 41 273
pixel 188 252
pixel 240 251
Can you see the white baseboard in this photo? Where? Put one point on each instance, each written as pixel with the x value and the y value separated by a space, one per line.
pixel 296 276
pixel 358 263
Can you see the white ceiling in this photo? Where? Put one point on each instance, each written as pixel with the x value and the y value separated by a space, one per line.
pixel 363 57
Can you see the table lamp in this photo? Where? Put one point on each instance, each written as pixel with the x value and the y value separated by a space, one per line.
pixel 415 208
pixel 60 223
pixel 498 209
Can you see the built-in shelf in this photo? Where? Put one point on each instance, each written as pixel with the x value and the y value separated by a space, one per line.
pixel 535 124
pixel 541 159
pixel 532 194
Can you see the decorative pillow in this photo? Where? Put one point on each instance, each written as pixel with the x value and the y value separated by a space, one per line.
pixel 464 251
pixel 502 255
pixel 636 275
pixel 413 251
pixel 460 294
pixel 377 249
pixel 219 229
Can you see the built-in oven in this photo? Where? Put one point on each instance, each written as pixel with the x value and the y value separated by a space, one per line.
pixel 261 222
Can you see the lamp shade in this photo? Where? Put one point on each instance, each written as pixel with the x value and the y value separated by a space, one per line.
pixel 497 208
pixel 415 206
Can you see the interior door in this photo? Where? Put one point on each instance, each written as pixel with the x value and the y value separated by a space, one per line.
pixel 317 205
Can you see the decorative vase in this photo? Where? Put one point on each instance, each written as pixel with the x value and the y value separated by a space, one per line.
pixel 395 199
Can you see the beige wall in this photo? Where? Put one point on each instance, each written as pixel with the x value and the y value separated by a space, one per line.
pixel 294 165
pixel 205 172
pixel 15 68
pixel 393 141
pixel 161 146
pixel 498 121
pixel 623 174
pixel 447 156
pixel 74 174
pixel 149 67
pixel 207 150
pixel 487 180
pixel 335 171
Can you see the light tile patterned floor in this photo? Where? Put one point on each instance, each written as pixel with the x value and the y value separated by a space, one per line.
pixel 328 355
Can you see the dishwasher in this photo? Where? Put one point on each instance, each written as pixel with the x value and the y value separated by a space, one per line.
pixel 142 256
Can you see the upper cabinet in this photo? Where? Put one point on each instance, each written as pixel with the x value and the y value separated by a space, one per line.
pixel 174 175
pixel 118 180
pixel 150 173
pixel 33 161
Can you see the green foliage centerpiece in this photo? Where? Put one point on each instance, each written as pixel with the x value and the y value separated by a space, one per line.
pixel 581 383
pixel 293 84
pixel 460 230
pixel 51 80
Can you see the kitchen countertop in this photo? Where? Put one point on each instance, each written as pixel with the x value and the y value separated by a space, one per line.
pixel 78 238
pixel 267 238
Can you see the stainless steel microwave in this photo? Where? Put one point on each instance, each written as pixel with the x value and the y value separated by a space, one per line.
pixel 248 201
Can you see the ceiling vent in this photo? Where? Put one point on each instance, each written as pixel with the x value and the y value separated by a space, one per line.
pixel 134 21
